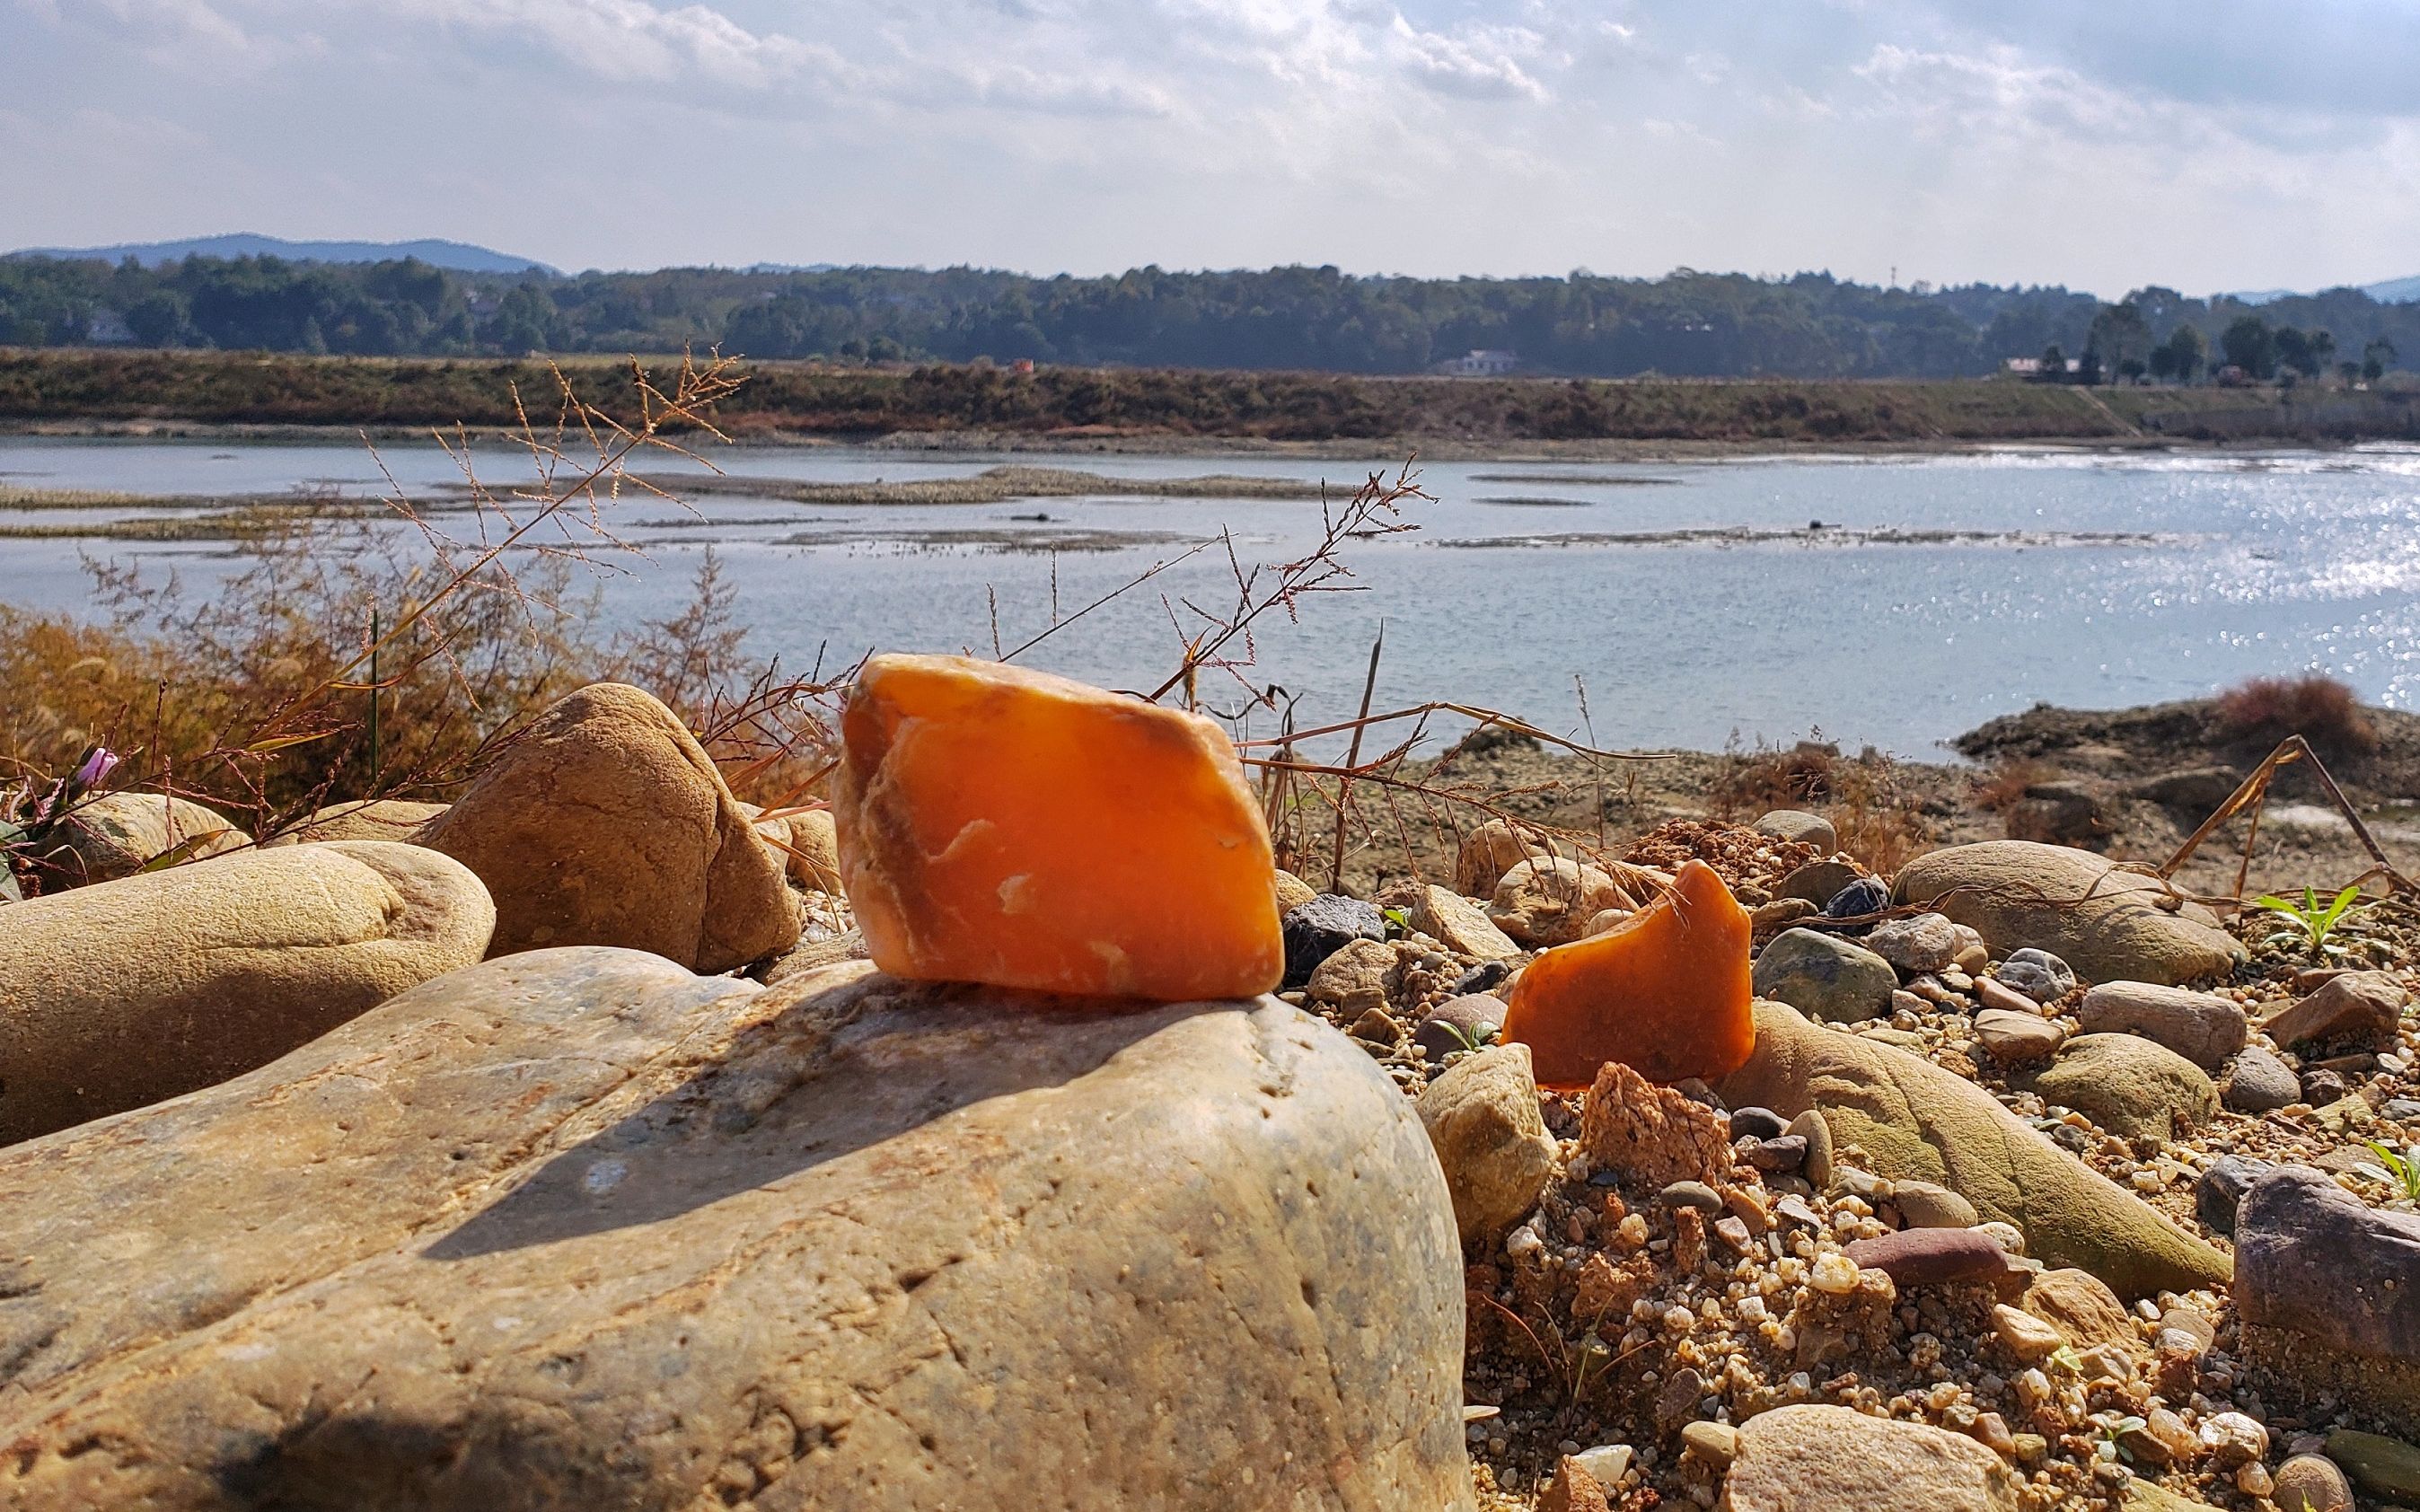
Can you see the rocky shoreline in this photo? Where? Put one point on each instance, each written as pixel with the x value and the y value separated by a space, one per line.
pixel 563 1142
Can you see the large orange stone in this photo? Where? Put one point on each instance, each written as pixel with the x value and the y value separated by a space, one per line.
pixel 1666 993
pixel 1008 826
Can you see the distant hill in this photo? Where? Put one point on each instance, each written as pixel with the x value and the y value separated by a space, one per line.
pixel 2393 291
pixel 458 255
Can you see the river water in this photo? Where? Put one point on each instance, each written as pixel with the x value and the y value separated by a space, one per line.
pixel 1693 598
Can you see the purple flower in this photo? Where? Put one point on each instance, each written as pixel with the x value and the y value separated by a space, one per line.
pixel 96 768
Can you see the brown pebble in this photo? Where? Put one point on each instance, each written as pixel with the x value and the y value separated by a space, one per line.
pixel 1931 1257
pixel 1574 1490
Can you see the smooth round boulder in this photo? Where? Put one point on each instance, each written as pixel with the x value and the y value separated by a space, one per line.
pixel 1824 976
pixel 2129 1086
pixel 1798 827
pixel 113 835
pixel 2109 924
pixel 605 823
pixel 576 1228
pixel 119 995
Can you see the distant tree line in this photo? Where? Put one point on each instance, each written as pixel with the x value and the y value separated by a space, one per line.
pixel 1686 324
pixel 2125 344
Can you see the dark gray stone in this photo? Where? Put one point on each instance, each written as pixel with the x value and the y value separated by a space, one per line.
pixel 1786 1153
pixel 1866 895
pixel 2197 790
pixel 2220 1191
pixel 1757 1123
pixel 1318 929
pixel 1485 977
pixel 2312 1258
pixel 2259 1083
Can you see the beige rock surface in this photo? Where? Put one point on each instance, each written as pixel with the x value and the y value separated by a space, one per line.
pixel 1482 1117
pixel 2105 923
pixel 606 823
pixel 577 1229
pixel 1551 901
pixel 119 995
pixel 113 835
pixel 395 819
pixel 2085 1312
pixel 1812 1459
pixel 1460 925
pixel 1918 1121
pixel 1493 849
pixel 806 845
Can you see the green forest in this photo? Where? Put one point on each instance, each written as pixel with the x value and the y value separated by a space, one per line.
pixel 1687 324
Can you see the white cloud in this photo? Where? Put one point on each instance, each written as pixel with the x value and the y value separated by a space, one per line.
pixel 1483 64
pixel 2070 140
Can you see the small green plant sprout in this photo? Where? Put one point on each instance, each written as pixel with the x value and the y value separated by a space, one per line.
pixel 1473 1037
pixel 1399 922
pixel 2315 919
pixel 2401 1170
pixel 1595 1357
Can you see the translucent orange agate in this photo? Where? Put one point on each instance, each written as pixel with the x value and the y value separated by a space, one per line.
pixel 1007 827
pixel 1666 993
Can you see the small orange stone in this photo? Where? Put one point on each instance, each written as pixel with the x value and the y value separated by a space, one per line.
pixel 1666 993
pixel 1007 827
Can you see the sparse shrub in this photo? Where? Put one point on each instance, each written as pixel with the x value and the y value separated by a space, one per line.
pixel 350 657
pixel 2004 787
pixel 1774 778
pixel 2320 709
pixel 1878 820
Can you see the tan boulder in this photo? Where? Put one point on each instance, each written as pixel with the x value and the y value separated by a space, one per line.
pixel 806 845
pixel 115 835
pixel 576 1229
pixel 1817 1459
pixel 1494 848
pixel 1551 901
pixel 1482 1117
pixel 606 823
pixel 122 993
pixel 395 819
pixel 1918 1121
pixel 2110 925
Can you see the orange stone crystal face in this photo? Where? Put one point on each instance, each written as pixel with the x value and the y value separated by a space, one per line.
pixel 1011 827
pixel 1666 993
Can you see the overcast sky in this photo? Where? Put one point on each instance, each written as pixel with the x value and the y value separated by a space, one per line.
pixel 2203 143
